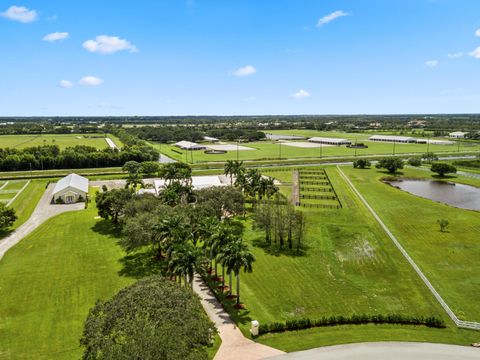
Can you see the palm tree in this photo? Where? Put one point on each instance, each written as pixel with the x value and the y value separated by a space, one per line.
pixel 185 261
pixel 208 227
pixel 229 169
pixel 222 238
pixel 236 256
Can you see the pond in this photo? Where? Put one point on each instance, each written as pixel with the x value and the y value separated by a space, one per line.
pixel 458 195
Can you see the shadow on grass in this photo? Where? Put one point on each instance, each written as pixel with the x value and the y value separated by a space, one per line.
pixel 108 228
pixel 5 233
pixel 444 177
pixel 141 264
pixel 275 250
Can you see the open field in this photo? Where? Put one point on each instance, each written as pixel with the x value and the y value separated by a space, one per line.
pixel 270 150
pixel 350 267
pixel 8 189
pixel 54 276
pixel 62 140
pixel 449 259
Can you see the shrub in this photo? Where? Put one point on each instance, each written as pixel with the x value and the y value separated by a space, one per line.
pixel 414 161
pixel 361 164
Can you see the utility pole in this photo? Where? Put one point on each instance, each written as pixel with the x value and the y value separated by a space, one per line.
pixel 393 147
pixel 237 150
pixel 280 150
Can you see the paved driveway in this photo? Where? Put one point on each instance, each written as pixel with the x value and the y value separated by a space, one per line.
pixel 385 350
pixel 44 210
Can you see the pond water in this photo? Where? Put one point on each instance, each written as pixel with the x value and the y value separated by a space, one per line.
pixel 458 195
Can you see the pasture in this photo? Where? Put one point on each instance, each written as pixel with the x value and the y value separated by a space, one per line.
pixel 62 140
pixel 57 273
pixel 272 150
pixel 449 259
pixel 350 267
pixel 9 189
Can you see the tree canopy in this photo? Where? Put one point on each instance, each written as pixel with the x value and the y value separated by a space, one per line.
pixel 151 319
pixel 392 165
pixel 7 217
pixel 443 168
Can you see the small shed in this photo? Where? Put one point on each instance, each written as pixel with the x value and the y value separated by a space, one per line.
pixel 70 189
pixel 457 135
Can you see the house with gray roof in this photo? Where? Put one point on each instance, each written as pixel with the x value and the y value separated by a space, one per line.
pixel 70 189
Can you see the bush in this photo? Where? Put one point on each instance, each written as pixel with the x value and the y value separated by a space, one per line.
pixel 306 323
pixel 361 164
pixel 443 168
pixel 414 161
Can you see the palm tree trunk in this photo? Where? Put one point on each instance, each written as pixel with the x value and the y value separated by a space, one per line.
pixel 230 283
pixel 223 279
pixel 238 288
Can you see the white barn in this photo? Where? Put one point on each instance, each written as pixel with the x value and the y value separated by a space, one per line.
pixel 393 138
pixel 188 145
pixel 457 135
pixel 329 141
pixel 71 189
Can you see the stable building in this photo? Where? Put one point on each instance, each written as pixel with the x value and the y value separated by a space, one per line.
pixel 70 189
pixel 393 138
pixel 457 135
pixel 188 145
pixel 329 141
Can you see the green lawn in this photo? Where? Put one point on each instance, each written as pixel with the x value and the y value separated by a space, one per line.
pixel 350 267
pixel 450 259
pixel 51 279
pixel 62 140
pixel 270 150
pixel 28 199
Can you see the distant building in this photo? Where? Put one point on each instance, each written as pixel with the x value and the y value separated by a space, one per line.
pixel 188 145
pixel 375 125
pixel 283 137
pixel 435 142
pixel 392 138
pixel 70 189
pixel 198 182
pixel 457 135
pixel 329 141
pixel 211 139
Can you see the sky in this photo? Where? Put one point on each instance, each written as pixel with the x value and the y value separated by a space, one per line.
pixel 250 57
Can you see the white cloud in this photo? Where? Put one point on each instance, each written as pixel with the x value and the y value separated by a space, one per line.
pixel 105 44
pixel 55 36
pixel 245 71
pixel 330 17
pixel 90 81
pixel 20 13
pixel 65 84
pixel 477 33
pixel 475 53
pixel 431 63
pixel 300 94
pixel 455 55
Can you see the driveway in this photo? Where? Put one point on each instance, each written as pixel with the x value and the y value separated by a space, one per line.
pixel 234 345
pixel 44 210
pixel 385 350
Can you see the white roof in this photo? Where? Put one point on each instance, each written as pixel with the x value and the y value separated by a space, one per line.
pixel 199 182
pixel 458 133
pixel 73 180
pixel 188 145
pixel 331 140
pixel 210 138
pixel 392 137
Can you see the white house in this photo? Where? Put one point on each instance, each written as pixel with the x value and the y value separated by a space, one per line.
pixel 71 189
pixel 457 134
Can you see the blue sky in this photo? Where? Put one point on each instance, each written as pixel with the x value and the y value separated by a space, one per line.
pixel 203 57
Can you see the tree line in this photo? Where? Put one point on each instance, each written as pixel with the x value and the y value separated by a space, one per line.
pixel 47 157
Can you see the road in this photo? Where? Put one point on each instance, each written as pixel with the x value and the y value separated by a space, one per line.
pixel 386 350
pixel 43 211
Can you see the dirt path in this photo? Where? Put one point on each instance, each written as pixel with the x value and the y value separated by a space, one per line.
pixel 44 210
pixel 234 345
pixel 296 188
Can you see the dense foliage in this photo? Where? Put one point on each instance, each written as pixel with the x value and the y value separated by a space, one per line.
pixel 7 217
pixel 51 157
pixel 151 319
pixel 306 323
pixel 392 165
pixel 361 164
pixel 443 168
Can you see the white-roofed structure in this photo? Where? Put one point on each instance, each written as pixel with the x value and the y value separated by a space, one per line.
pixel 198 182
pixel 457 135
pixel 188 145
pixel 283 137
pixel 210 138
pixel 393 138
pixel 329 141
pixel 70 189
pixel 435 142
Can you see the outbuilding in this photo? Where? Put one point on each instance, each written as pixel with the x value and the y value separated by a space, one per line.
pixel 70 189
pixel 188 145
pixel 393 138
pixel 457 135
pixel 329 141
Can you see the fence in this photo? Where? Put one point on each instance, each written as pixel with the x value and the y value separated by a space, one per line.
pixel 320 183
pixel 320 206
pixel 318 197
pixel 316 189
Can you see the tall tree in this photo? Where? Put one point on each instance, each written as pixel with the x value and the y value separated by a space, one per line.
pixel 237 256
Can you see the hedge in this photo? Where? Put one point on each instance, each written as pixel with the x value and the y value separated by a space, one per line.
pixel 306 323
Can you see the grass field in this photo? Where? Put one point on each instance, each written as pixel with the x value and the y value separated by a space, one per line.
pixel 350 267
pixel 10 189
pixel 62 140
pixel 449 259
pixel 28 199
pixel 50 280
pixel 269 150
